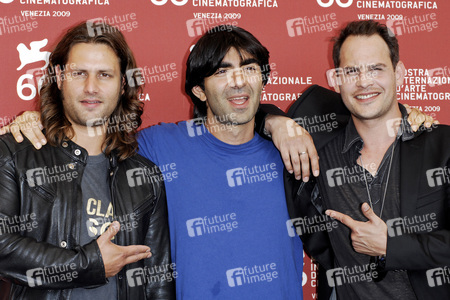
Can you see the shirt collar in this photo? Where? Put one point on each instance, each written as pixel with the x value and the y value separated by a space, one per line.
pixel 352 136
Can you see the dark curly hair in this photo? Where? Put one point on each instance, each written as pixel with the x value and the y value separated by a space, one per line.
pixel 129 109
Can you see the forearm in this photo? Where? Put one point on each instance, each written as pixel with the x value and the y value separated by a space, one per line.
pixel 26 261
pixel 21 240
pixel 418 251
pixel 263 112
pixel 158 239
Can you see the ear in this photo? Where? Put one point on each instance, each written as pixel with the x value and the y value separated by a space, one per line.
pixel 123 85
pixel 336 80
pixel 199 93
pixel 58 76
pixel 400 72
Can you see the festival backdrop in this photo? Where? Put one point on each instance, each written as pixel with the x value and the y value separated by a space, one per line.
pixel 161 33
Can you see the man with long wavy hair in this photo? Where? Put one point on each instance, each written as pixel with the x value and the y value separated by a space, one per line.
pixel 76 221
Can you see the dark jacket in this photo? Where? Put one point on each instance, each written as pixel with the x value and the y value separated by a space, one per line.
pixel 42 223
pixel 416 252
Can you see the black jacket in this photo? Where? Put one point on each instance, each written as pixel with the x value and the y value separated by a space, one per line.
pixel 55 209
pixel 415 253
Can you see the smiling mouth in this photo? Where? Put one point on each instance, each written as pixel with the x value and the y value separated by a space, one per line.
pixel 238 100
pixel 366 96
pixel 91 101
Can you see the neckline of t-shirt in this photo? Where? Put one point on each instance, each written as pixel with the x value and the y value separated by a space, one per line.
pixel 209 138
pixel 96 159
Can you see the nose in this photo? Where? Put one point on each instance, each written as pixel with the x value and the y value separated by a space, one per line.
pixel 365 79
pixel 236 78
pixel 91 84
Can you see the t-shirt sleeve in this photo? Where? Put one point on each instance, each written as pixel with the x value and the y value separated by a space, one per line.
pixel 148 141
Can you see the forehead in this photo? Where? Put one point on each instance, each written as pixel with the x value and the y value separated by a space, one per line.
pixel 91 55
pixel 363 50
pixel 236 55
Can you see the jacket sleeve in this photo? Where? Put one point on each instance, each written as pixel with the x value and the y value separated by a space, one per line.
pixel 261 114
pixel 422 251
pixel 25 260
pixel 158 239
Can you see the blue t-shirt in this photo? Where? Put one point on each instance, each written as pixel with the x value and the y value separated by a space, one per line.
pixel 227 215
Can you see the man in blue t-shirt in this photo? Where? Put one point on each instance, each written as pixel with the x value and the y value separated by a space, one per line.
pixel 226 200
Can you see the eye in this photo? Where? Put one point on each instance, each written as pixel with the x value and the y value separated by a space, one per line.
pixel 351 71
pixel 77 74
pixel 220 72
pixel 105 75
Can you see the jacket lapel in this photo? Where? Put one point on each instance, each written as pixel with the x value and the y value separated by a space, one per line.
pixel 411 161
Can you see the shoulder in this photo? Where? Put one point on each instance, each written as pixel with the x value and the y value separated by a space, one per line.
pixel 162 130
pixel 9 147
pixel 438 133
pixel 139 161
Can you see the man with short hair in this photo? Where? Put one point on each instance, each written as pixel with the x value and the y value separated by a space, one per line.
pixel 57 203
pixel 388 186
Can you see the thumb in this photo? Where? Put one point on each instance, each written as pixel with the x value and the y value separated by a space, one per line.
pixel 110 232
pixel 368 212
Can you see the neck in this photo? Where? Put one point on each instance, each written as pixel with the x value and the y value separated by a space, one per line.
pixel 229 133
pixel 377 133
pixel 91 142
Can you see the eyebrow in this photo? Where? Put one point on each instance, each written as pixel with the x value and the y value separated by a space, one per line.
pixel 242 63
pixel 376 65
pixel 98 71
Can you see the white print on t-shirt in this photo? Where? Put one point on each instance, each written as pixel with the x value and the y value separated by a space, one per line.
pixel 253 174
pixel 210 225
